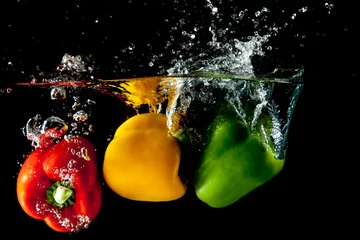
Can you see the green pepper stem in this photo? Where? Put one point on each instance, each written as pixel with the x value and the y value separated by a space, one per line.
pixel 60 195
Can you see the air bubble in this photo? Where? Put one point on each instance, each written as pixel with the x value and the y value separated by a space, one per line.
pixel 131 47
pixel 264 9
pixel 80 116
pixel 241 14
pixel 329 5
pixel 303 9
pixel 84 154
pixel 91 128
pixel 58 93
pixel 7 90
pixel 76 102
pixel 74 126
pixel 91 102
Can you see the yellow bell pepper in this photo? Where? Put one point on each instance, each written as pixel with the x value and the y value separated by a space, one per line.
pixel 142 161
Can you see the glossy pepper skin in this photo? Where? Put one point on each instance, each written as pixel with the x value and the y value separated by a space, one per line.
pixel 233 163
pixel 59 184
pixel 142 161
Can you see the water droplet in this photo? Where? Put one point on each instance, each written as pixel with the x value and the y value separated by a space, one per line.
pixel 91 128
pixel 58 93
pixel 241 14
pixel 91 102
pixel 76 102
pixel 80 116
pixel 131 47
pixel 68 137
pixel 264 9
pixel 74 126
pixel 303 9
pixel 329 5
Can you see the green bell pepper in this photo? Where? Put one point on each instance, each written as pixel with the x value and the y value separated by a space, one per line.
pixel 234 162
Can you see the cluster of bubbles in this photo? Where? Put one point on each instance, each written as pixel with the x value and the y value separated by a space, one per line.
pixel 82 221
pixel 41 132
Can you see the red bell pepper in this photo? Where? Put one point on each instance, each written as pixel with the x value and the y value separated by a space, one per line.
pixel 59 184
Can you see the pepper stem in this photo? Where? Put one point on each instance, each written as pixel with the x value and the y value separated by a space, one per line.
pixel 60 195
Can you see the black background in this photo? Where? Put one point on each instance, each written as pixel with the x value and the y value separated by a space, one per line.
pixel 36 34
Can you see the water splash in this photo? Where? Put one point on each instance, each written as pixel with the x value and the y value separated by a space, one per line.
pixel 224 54
pixel 42 133
pixel 233 57
pixel 73 64
pixel 257 104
